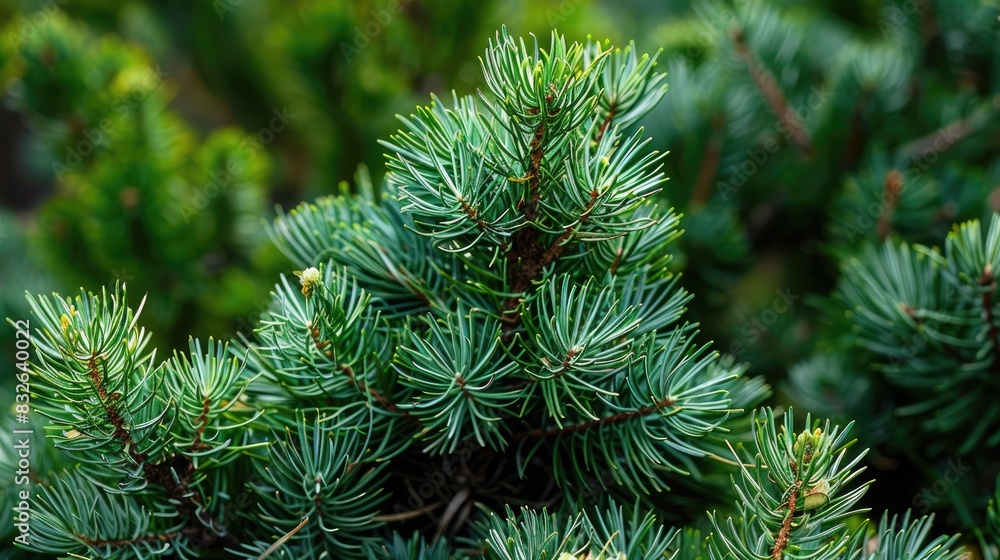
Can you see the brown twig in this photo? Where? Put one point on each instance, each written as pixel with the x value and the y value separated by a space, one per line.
pixel 524 253
pixel 893 187
pixel 781 542
pixel 407 515
pixel 854 147
pixel 380 398
pixel 173 474
pixel 606 421
pixel 202 422
pixel 709 163
pixel 112 412
pixel 284 538
pixel 607 122
pixel 769 88
pixel 987 280
pixel 472 213
pixel 613 269
pixel 383 401
pixel 526 256
pixel 116 543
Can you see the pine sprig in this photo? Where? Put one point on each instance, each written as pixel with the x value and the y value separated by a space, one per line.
pixel 454 376
pixel 318 492
pixel 903 537
pixel 932 319
pixel 76 518
pixel 100 387
pixel 209 387
pixel 792 494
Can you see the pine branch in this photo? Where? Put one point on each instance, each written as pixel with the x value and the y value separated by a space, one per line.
pixel 525 257
pixel 894 184
pixel 473 297
pixel 925 314
pixel 607 122
pixel 782 540
pixel 584 426
pixel 988 281
pixel 771 90
pixel 792 493
pixel 709 163
pixel 112 412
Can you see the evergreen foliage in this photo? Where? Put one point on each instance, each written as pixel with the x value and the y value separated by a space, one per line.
pixel 207 167
pixel 488 357
pixel 802 142
pixel 989 536
pixel 930 316
pixel 799 135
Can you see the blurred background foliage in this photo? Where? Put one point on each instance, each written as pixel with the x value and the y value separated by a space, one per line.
pixel 144 141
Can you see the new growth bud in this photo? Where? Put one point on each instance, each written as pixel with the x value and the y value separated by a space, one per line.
pixel 310 278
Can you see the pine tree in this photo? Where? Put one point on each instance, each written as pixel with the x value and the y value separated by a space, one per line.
pixel 488 357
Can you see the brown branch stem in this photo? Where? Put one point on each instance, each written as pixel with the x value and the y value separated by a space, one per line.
pixel 988 281
pixel 174 473
pixel 523 258
pixel 112 412
pixel 709 164
pixel 116 543
pixel 894 183
pixel 775 98
pixel 202 422
pixel 472 214
pixel 606 421
pixel 607 122
pixel 380 398
pixel 781 542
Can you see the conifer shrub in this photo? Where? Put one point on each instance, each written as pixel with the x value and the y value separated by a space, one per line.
pixel 486 356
